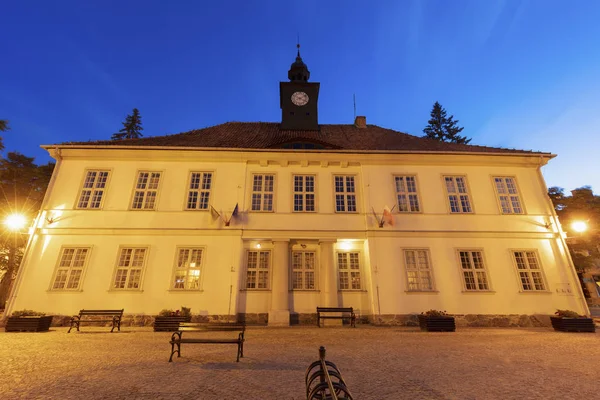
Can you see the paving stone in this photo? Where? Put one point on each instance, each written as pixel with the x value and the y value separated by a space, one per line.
pixel 376 362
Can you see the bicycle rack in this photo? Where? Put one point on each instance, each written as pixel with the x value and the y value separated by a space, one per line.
pixel 324 381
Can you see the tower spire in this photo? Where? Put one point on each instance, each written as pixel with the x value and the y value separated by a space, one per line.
pixel 298 71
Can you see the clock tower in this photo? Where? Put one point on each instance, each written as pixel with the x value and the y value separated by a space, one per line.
pixel 298 98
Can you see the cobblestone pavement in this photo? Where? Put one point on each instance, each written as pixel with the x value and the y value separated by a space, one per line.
pixel 377 363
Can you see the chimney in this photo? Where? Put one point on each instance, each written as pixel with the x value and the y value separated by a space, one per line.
pixel 360 122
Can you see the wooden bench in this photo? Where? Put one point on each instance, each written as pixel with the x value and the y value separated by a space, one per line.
pixel 113 316
pixel 177 337
pixel 342 311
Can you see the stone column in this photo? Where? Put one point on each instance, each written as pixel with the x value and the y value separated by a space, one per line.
pixel 279 315
pixel 328 278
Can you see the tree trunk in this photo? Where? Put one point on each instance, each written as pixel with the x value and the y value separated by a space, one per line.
pixel 6 282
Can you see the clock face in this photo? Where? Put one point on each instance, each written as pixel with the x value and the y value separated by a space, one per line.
pixel 299 98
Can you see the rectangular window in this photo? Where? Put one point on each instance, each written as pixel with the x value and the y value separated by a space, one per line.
pixel 258 265
pixel 349 270
pixel 304 193
pixel 146 190
pixel 458 195
pixel 303 270
pixel 418 270
pixel 69 271
pixel 188 268
pixel 473 270
pixel 530 272
pixel 130 266
pixel 263 189
pixel 406 193
pixel 508 195
pixel 92 192
pixel 199 190
pixel 345 193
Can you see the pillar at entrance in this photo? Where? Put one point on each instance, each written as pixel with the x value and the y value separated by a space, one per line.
pixel 329 292
pixel 279 315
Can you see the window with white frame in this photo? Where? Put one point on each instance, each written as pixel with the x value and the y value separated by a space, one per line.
pixel 199 190
pixel 458 194
pixel 530 271
pixel 70 267
pixel 258 266
pixel 263 189
pixel 345 193
pixel 303 270
pixel 508 195
pixel 418 270
pixel 92 192
pixel 406 193
pixel 130 266
pixel 473 270
pixel 146 190
pixel 304 193
pixel 349 270
pixel 188 269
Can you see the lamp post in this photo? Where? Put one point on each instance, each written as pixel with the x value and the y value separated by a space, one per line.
pixel 14 222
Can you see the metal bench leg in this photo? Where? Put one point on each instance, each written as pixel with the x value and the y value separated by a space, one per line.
pixel 239 351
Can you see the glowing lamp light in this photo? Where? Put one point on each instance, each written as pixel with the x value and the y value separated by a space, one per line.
pixel 15 222
pixel 345 245
pixel 258 246
pixel 579 226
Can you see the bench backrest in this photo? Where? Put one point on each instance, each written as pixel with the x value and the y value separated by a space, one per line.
pixel 101 312
pixel 334 309
pixel 211 326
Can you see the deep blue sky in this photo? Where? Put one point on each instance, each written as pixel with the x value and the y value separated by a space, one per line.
pixel 518 74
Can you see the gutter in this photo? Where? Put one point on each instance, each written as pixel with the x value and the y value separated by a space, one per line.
pixel 236 149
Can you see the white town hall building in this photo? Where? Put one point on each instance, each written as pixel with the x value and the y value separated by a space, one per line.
pixel 267 221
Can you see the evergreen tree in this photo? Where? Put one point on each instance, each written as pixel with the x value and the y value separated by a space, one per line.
pixel 3 128
pixel 132 127
pixel 444 128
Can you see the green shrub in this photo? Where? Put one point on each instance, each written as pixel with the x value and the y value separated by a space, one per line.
pixel 186 312
pixel 435 313
pixel 27 313
pixel 166 313
pixel 567 314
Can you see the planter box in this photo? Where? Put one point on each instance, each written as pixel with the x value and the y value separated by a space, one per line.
pixel 28 324
pixel 437 324
pixel 573 324
pixel 169 324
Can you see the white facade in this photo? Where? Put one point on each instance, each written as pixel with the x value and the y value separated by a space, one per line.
pixel 449 247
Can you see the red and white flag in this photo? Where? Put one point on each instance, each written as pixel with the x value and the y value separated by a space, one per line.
pixel 387 216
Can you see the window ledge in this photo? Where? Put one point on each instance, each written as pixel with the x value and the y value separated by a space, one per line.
pixel 479 292
pixel 125 291
pixel 185 290
pixel 421 291
pixel 196 209
pixel 352 290
pixel 535 292
pixel 255 290
pixel 305 290
pixel 61 291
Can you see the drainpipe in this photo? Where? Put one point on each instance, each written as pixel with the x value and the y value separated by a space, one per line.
pixel 562 241
pixel 13 293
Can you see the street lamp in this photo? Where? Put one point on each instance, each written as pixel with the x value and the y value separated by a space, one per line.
pixel 579 226
pixel 15 222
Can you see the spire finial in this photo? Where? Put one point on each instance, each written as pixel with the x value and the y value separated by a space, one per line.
pixel 298 45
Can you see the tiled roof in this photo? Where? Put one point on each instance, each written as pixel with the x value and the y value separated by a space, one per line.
pixel 265 135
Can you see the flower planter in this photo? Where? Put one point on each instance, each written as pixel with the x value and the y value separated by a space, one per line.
pixel 437 324
pixel 169 324
pixel 28 324
pixel 573 324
